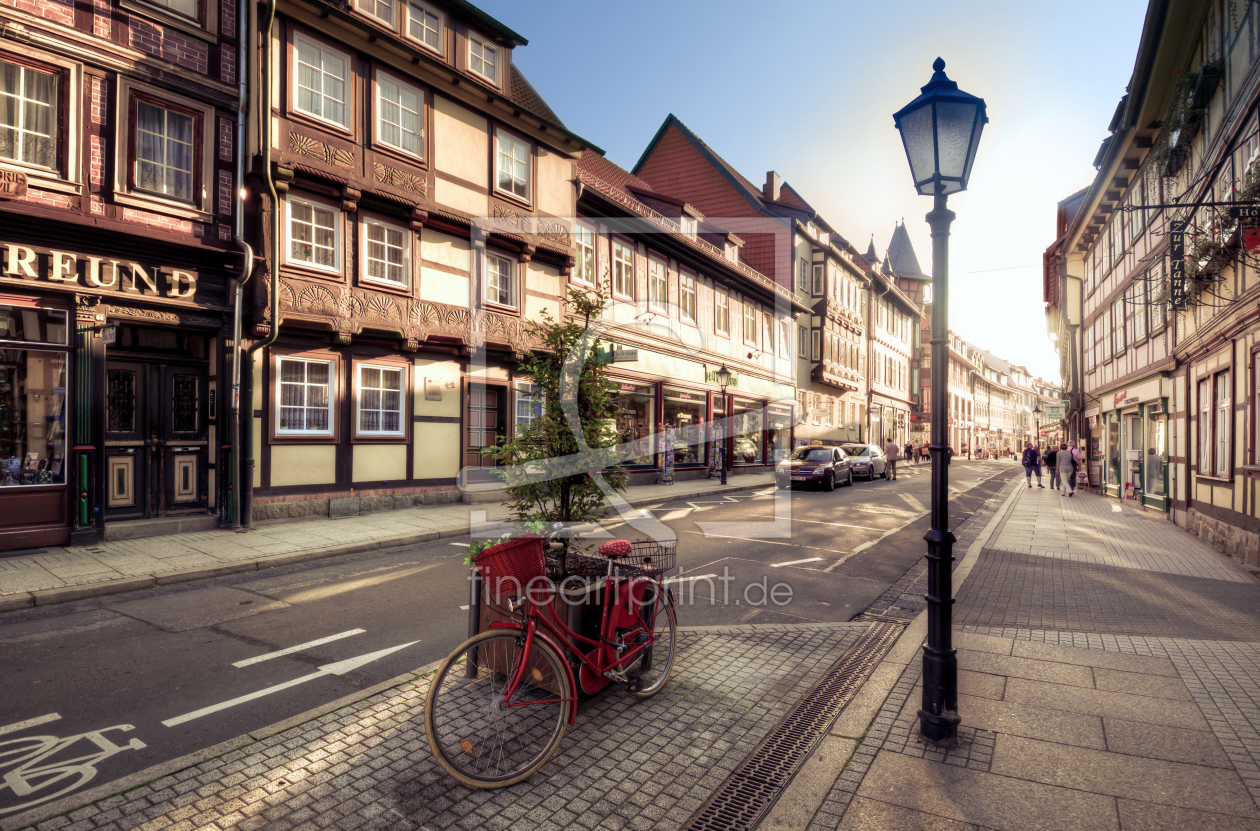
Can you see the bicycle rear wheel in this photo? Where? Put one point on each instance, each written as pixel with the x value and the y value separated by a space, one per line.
pixel 658 659
pixel 473 737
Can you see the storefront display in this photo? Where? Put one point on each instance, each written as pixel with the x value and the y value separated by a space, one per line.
pixel 778 432
pixel 1156 455
pixel 685 411
pixel 1113 453
pixel 746 423
pixel 636 419
pixel 32 397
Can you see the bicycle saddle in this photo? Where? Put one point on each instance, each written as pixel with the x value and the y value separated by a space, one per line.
pixel 614 548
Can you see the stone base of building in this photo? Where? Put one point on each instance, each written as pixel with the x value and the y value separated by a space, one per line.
pixel 1238 543
pixel 305 505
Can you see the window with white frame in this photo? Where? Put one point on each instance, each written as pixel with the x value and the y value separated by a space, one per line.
pixel 767 334
pixel 1087 336
pixel 500 281
pixel 658 286
pixel 584 245
pixel 483 59
pixel 721 313
pixel 815 348
pixel 785 338
pixel 623 270
pixel 687 297
pixel 314 234
pixel 399 115
pixel 28 115
pixel 166 151
pixel 322 81
pixel 1138 301
pixel 426 25
pixel 382 10
pixel 1205 427
pixel 385 250
pixel 305 390
pixel 1223 422
pixel 1104 335
pixel 688 225
pixel 817 288
pixel 1157 311
pixel 802 275
pixel 1118 316
pixel 802 342
pixel 511 165
pixel 529 405
pixel 750 324
pixel 380 404
pixel 732 252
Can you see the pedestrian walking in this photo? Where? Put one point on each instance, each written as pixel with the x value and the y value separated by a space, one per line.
pixel 925 447
pixel 910 452
pixel 1032 464
pixel 1068 464
pixel 1052 464
pixel 892 453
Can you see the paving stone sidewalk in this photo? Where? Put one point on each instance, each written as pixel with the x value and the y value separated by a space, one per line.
pixel 131 564
pixel 625 764
pixel 1134 703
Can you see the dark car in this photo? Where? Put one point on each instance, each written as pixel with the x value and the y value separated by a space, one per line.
pixel 868 460
pixel 814 465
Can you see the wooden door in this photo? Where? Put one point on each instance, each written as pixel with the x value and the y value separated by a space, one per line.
pixel 486 420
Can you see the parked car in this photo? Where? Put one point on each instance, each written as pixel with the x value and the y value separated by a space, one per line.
pixel 814 465
pixel 867 459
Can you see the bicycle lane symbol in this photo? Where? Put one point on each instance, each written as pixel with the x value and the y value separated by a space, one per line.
pixel 33 765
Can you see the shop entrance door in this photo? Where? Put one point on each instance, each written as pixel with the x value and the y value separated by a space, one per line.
pixel 156 439
pixel 486 418
pixel 1133 444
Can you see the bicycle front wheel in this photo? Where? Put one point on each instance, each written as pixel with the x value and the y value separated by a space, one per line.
pixel 474 733
pixel 658 659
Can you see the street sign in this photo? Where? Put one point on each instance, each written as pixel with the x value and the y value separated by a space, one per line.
pixel 1244 212
pixel 1177 256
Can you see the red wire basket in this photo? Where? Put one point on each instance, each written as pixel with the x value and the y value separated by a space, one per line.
pixel 507 568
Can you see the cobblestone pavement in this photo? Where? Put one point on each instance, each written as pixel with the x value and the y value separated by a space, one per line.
pixel 58 567
pixel 625 764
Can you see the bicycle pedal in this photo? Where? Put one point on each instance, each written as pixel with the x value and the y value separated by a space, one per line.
pixel 616 675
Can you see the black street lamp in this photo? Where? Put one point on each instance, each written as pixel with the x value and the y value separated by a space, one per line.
pixel 724 380
pixel 1037 425
pixel 941 131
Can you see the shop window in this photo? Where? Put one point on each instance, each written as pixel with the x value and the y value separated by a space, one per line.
pixel 658 287
pixel 321 82
pixel 584 239
pixel 382 10
pixel 399 116
pixel 483 59
pixel 1156 453
pixel 385 253
pixel 380 401
pixel 779 431
pixel 528 405
pixel 427 26
pixel 165 152
pixel 685 411
pixel 314 234
pixel 512 159
pixel 28 115
pixel 746 421
pixel 500 281
pixel 687 297
pixel 721 313
pixel 32 397
pixel 636 421
pixel 305 397
pixel 623 270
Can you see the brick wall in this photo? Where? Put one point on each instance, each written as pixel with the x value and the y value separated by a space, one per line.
pixel 96 162
pixel 48 199
pixel 225 192
pixel 102 23
pixel 227 18
pixel 62 11
pixel 164 223
pixel 169 45
pixel 227 64
pixel 225 139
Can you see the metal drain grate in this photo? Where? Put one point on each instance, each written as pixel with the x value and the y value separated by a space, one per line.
pixel 740 801
pixel 866 617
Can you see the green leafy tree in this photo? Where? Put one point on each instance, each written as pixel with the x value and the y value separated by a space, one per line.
pixel 559 468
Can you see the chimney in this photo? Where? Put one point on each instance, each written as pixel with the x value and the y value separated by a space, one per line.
pixel 771 188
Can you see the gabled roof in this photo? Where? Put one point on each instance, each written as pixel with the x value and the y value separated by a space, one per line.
pixel 522 93
pixel 788 194
pixel 749 191
pixel 900 261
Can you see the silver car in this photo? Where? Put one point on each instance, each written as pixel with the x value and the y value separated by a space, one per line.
pixel 868 460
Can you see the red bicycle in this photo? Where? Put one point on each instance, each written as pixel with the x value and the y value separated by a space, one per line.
pixel 499 704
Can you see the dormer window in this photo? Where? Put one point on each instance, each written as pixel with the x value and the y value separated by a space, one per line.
pixel 483 58
pixel 426 26
pixel 688 225
pixel 382 10
pixel 732 252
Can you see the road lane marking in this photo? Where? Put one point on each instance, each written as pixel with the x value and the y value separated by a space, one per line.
pixel 819 522
pixel 30 722
pixel 278 654
pixel 795 562
pixel 463 608
pixel 338 668
pixel 763 542
pixel 693 577
pixel 459 544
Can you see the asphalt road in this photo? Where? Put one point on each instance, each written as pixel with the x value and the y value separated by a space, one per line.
pixel 167 672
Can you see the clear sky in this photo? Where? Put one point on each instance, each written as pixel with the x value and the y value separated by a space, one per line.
pixel 808 89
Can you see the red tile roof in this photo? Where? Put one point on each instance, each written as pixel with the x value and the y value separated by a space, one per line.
pixel 522 93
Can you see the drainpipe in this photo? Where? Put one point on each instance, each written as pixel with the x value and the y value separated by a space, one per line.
pixel 264 132
pixel 247 268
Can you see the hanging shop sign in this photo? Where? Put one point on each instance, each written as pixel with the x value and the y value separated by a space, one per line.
pixel 1177 254
pixel 73 271
pixel 710 377
pixel 624 356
